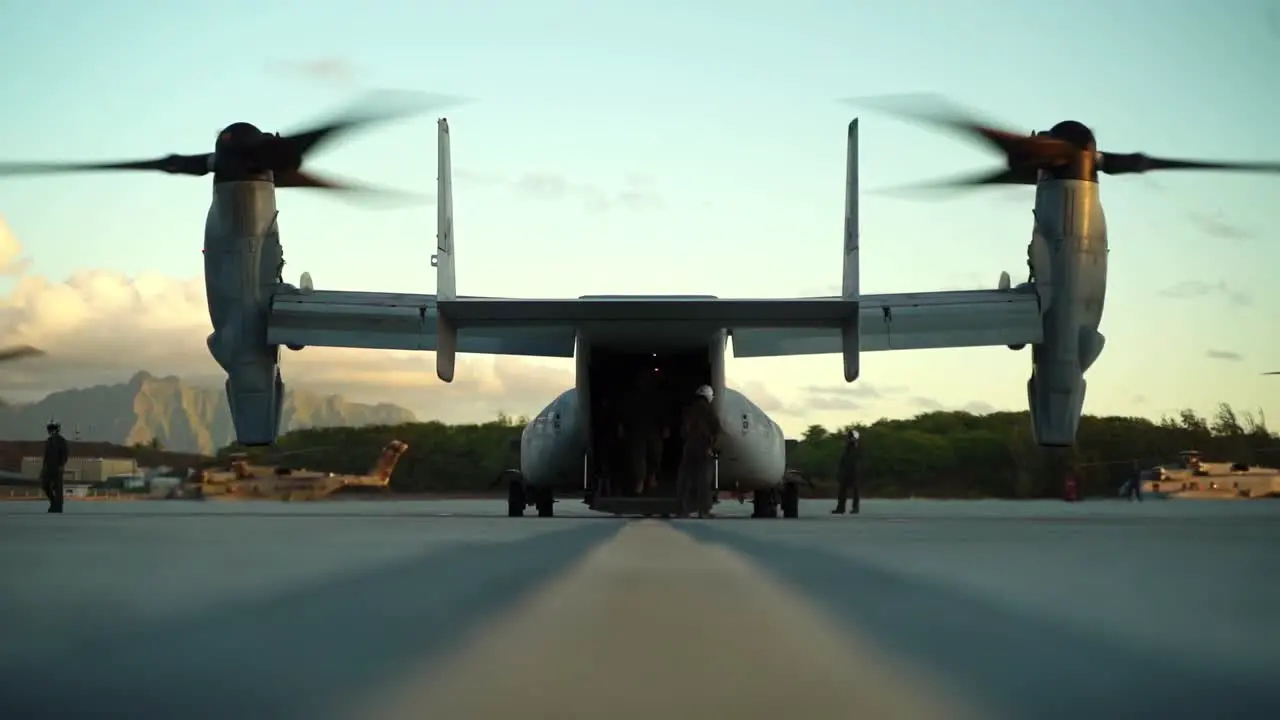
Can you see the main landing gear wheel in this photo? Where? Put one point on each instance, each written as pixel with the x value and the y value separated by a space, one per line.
pixel 790 500
pixel 545 500
pixel 764 503
pixel 516 501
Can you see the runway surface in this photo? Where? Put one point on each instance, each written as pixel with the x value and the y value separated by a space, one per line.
pixel 913 609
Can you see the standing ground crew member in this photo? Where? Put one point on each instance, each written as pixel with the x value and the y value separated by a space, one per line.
pixel 56 454
pixel 847 474
pixel 643 431
pixel 700 433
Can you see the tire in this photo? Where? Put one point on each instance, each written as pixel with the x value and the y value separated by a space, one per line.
pixel 516 501
pixel 546 502
pixel 790 500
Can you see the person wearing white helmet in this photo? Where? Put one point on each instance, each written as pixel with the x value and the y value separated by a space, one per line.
pixel 847 474
pixel 56 454
pixel 700 430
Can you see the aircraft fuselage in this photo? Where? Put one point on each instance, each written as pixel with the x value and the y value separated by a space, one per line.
pixel 583 421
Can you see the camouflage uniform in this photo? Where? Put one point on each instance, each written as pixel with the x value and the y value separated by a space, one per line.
pixel 847 475
pixel 700 430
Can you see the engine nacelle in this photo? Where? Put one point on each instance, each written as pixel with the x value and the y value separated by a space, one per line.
pixel 1068 259
pixel 242 262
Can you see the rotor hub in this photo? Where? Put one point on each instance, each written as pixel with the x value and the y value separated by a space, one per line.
pixel 1081 162
pixel 1076 133
pixel 239 136
pixel 238 155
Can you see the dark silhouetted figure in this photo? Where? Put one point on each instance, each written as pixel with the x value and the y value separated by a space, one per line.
pixel 1133 488
pixel 56 454
pixel 1071 489
pixel 847 474
pixel 642 430
pixel 700 433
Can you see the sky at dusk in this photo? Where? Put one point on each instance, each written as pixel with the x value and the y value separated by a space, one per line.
pixel 658 147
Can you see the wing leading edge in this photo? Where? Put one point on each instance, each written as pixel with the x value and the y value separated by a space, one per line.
pixel 760 327
pixel 912 321
pixel 397 321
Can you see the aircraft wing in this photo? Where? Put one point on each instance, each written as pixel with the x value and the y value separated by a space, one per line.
pixel 529 327
pixel 396 321
pixel 13 478
pixel 912 321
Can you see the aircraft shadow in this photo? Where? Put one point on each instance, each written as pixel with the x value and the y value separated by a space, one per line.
pixel 306 653
pixel 1016 665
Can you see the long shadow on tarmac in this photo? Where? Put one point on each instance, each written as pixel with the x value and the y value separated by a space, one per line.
pixel 1015 664
pixel 307 653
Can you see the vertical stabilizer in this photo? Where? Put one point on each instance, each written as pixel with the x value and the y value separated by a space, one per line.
pixel 387 460
pixel 850 290
pixel 446 283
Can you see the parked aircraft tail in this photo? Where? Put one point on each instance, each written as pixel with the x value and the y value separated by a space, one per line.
pixel 387 460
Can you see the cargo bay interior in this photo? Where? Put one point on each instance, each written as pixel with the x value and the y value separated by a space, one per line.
pixel 636 401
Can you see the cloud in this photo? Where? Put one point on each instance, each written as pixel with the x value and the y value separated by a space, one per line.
pixel 968 281
pixel 767 401
pixel 1192 289
pixel 1224 355
pixel 846 398
pixel 826 290
pixel 837 404
pixel 1216 225
pixel 100 327
pixel 636 193
pixel 11 262
pixel 977 407
pixel 860 390
pixel 926 403
pixel 329 70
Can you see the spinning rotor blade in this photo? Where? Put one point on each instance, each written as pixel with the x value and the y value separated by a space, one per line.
pixel 1026 153
pixel 991 177
pixel 349 189
pixel 1130 163
pixel 937 111
pixel 307 141
pixel 18 352
pixel 196 165
pixel 244 150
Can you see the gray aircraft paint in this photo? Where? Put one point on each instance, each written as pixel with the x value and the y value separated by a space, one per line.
pixel 1069 259
pixel 554 444
pixel 253 311
pixel 1067 254
pixel 242 264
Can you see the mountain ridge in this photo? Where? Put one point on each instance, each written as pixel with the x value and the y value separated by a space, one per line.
pixel 181 416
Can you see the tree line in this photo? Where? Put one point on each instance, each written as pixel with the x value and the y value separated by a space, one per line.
pixel 935 454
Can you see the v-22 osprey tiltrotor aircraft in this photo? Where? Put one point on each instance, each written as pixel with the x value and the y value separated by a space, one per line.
pixel 617 340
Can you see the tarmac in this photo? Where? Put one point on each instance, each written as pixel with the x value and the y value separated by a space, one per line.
pixel 912 609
